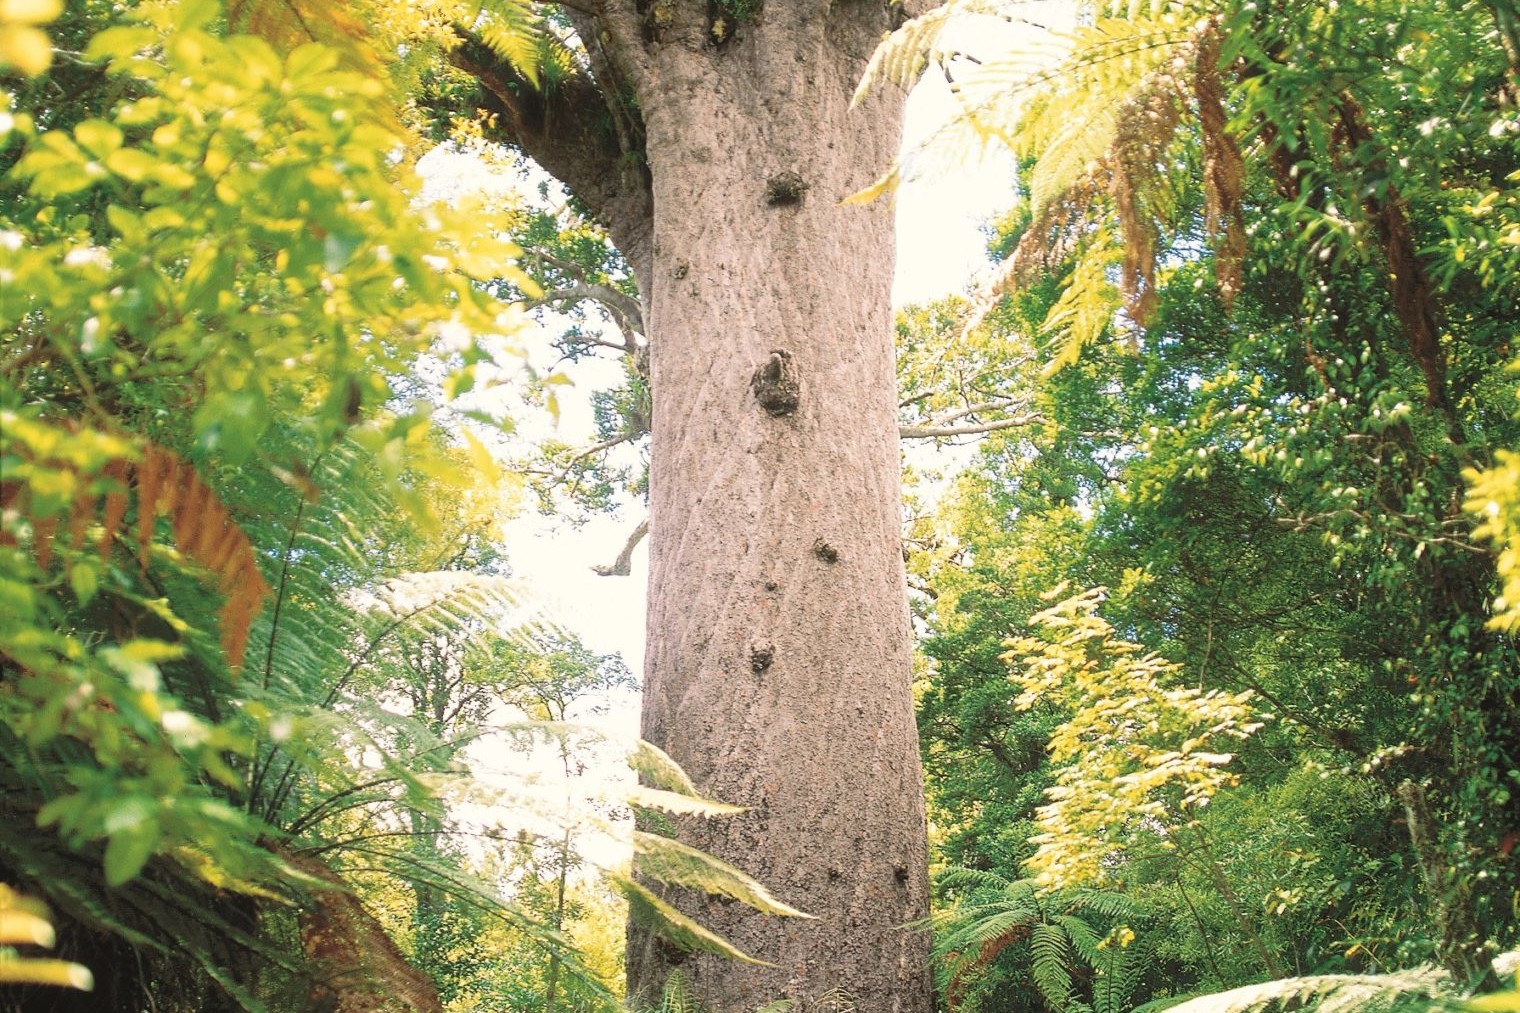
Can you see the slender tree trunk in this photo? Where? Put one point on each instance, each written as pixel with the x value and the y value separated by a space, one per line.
pixel 778 665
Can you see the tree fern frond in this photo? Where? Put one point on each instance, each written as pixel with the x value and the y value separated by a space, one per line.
pixel 646 907
pixel 1327 993
pixel 1050 967
pixel 655 767
pixel 676 995
pixel 670 861
pixel 64 883
pixel 777 1006
pixel 1085 311
pixel 998 926
pixel 677 803
pixel 1084 938
pixel 515 32
pixel 958 877
pixel 1075 121
pixel 904 54
pixel 1104 903
pixel 1134 960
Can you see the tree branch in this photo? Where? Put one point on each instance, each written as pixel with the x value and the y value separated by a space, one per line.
pixel 564 131
pixel 624 309
pixel 623 565
pixel 944 432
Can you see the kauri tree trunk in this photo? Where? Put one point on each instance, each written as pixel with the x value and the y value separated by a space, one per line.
pixel 778 664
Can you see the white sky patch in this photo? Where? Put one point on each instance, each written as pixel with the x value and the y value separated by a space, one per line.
pixel 941 244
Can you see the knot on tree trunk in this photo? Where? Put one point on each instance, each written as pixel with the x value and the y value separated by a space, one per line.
pixel 785 189
pixel 777 385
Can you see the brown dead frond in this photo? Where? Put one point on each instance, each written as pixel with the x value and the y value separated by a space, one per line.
pixel 166 485
pixel 1224 171
pixel 1137 163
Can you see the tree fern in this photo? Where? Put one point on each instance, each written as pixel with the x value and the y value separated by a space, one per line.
pixel 515 31
pixel 996 914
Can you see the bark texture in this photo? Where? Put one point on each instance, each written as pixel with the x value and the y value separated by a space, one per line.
pixel 356 966
pixel 778 666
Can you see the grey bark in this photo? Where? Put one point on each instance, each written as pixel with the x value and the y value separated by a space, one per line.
pixel 779 657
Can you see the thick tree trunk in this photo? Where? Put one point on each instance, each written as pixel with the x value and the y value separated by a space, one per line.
pixel 778 665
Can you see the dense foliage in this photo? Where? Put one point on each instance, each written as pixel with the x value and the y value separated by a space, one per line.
pixel 1264 286
pixel 1221 685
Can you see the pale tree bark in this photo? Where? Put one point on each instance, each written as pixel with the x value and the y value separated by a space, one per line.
pixel 778 665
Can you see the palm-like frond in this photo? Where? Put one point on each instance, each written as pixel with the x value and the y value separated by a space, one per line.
pixel 1329 993
pixel 649 908
pixel 672 862
pixel 1050 964
pixel 515 31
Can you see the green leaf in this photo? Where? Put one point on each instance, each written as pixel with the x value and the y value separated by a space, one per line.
pixel 120 42
pixel 128 851
pixel 98 137
pixel 84 580
pixel 131 164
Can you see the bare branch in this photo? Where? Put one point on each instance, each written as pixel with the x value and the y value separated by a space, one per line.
pixel 946 418
pixel 622 307
pixel 597 448
pixel 623 565
pixel 944 432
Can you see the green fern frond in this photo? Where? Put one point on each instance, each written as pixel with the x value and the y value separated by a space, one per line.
pixel 1087 306
pixel 676 995
pixel 1084 938
pixel 998 926
pixel 777 1006
pixel 63 881
pixel 1050 948
pixel 656 768
pixel 1328 993
pixel 907 52
pixel 677 803
pixel 1135 960
pixel 1118 973
pixel 669 861
pixel 515 32
pixel 1076 118
pixel 961 878
pixel 646 907
pixel 1104 903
